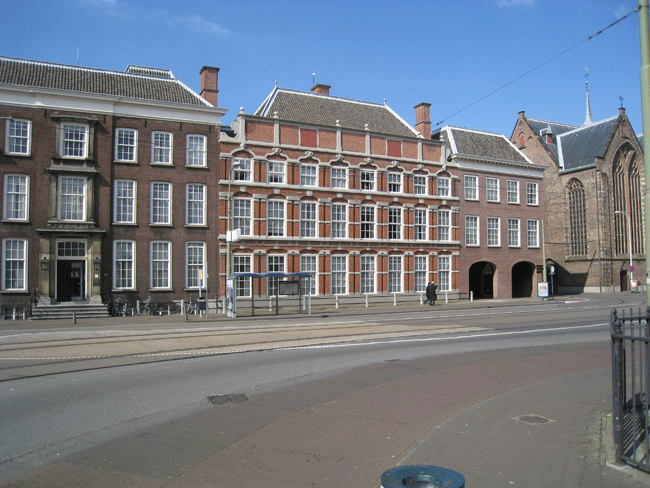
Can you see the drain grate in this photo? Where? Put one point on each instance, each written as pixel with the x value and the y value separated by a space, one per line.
pixel 533 419
pixel 223 399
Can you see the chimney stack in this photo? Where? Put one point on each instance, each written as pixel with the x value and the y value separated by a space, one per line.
pixel 321 89
pixel 210 84
pixel 423 119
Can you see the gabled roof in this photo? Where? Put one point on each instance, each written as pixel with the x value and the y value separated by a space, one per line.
pixel 136 82
pixel 486 146
pixel 538 126
pixel 579 148
pixel 325 110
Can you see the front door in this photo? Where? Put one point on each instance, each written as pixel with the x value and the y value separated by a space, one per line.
pixel 70 280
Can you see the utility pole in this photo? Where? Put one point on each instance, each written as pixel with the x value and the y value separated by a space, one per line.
pixel 644 31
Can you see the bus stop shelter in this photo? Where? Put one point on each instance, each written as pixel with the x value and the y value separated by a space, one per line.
pixel 287 285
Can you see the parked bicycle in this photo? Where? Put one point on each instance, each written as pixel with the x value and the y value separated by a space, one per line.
pixel 155 308
pixel 120 308
pixel 191 307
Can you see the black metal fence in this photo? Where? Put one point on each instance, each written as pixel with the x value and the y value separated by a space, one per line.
pixel 630 388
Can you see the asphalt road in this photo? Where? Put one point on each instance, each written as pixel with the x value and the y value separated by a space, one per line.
pixel 148 372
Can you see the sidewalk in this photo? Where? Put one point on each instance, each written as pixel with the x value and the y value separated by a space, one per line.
pixel 470 413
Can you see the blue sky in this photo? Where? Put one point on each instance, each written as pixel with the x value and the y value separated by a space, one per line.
pixel 448 53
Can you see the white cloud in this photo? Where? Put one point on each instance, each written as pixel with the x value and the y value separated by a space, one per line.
pixel 199 24
pixel 515 3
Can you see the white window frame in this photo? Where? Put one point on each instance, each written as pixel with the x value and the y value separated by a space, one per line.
pixel 126 145
pixel 444 225
pixel 193 266
pixel 309 219
pixel 371 225
pixel 443 187
pixel 242 215
pixel 16 198
pixel 18 137
pixel 196 150
pixel 493 235
pixel 420 224
pixel 512 191
pixel 338 177
pixel 532 233
pixel 514 232
pixel 492 192
pixel 444 273
pixel 419 185
pixel 74 147
pixel 471 187
pixel 532 193
pixel 339 274
pixel 276 218
pixel 13 276
pixel 368 274
pixel 394 182
pixel 276 172
pixel 162 148
pixel 395 219
pixel 308 175
pixel 124 204
pixel 63 199
pixel 309 264
pixel 395 274
pixel 161 207
pixel 339 221
pixel 242 263
pixel 367 180
pixel 472 230
pixel 243 172
pixel 420 273
pixel 275 263
pixel 124 266
pixel 195 208
pixel 160 271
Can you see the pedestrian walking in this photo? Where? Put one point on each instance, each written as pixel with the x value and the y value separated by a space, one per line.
pixel 431 294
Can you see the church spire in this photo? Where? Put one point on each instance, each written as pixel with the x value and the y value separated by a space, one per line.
pixel 588 119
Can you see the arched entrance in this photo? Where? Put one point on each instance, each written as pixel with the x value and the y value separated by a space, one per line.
pixel 522 279
pixel 481 279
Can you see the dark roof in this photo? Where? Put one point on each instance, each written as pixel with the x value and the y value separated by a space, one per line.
pixel 483 145
pixel 579 148
pixel 556 129
pixel 136 82
pixel 324 110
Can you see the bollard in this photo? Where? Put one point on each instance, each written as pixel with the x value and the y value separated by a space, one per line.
pixel 336 301
pixel 471 296
pixel 421 476
pixel 394 299
pixel 366 301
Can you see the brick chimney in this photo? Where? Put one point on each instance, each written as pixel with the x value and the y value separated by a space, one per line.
pixel 321 89
pixel 423 119
pixel 209 84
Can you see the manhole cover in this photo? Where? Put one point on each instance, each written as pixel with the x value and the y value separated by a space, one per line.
pixel 223 399
pixel 533 419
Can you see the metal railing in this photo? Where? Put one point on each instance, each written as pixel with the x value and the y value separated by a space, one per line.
pixel 630 389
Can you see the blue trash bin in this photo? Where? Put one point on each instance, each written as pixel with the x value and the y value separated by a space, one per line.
pixel 421 476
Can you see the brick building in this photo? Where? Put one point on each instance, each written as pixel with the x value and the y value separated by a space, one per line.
pixel 106 183
pixel 594 186
pixel 342 189
pixel 500 214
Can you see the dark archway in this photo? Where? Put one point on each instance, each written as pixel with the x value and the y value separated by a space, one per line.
pixel 522 279
pixel 481 279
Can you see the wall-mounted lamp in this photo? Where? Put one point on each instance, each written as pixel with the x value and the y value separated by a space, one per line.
pixel 45 264
pixel 97 264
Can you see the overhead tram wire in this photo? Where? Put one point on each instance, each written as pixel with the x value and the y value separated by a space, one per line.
pixel 537 67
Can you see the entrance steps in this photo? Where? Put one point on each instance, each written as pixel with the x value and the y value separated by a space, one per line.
pixel 68 310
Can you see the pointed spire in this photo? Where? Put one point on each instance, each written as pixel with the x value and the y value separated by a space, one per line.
pixel 588 119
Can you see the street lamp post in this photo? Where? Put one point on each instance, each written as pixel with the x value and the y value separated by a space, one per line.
pixel 228 232
pixel 629 240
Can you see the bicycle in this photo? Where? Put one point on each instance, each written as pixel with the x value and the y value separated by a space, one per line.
pixel 147 308
pixel 122 309
pixel 192 307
